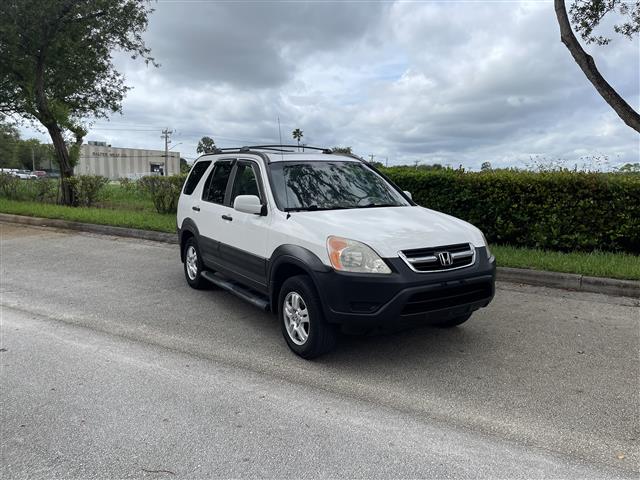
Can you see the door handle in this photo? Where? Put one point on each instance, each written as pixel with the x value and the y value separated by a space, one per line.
pixel 197 209
pixel 227 217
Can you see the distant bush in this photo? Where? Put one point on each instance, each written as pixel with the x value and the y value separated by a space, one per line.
pixel 128 185
pixel 44 190
pixel 9 186
pixel 164 191
pixel 87 188
pixel 561 210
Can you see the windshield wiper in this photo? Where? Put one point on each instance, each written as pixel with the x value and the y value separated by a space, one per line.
pixel 373 205
pixel 311 208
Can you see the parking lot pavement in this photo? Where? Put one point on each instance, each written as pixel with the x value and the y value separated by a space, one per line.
pixel 148 374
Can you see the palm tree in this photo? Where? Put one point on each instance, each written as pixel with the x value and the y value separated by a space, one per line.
pixel 297 135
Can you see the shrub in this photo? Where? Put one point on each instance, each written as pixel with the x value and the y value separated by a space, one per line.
pixel 561 210
pixel 128 185
pixel 9 186
pixel 44 190
pixel 164 191
pixel 87 188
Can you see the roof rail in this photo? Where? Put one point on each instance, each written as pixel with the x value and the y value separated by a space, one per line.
pixel 275 148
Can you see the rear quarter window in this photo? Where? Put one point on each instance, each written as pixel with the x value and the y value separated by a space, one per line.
pixel 194 177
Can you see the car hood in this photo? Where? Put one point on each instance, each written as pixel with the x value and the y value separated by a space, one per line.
pixel 388 229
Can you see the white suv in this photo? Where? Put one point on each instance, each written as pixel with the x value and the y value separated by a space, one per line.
pixel 324 240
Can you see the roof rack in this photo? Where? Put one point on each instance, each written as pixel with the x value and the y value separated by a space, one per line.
pixel 275 148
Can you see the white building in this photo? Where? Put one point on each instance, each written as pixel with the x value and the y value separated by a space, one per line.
pixel 98 158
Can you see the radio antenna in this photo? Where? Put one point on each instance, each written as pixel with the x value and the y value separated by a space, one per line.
pixel 280 134
pixel 284 172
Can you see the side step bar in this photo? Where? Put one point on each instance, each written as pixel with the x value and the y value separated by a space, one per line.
pixel 238 290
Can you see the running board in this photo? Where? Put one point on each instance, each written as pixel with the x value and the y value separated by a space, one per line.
pixel 238 290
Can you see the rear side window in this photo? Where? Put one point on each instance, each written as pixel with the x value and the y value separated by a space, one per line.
pixel 216 185
pixel 194 177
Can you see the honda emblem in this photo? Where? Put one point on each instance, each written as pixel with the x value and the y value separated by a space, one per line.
pixel 445 259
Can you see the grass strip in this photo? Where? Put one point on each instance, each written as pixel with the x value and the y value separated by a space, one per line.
pixel 594 264
pixel 101 216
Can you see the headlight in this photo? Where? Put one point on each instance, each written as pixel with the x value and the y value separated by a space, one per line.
pixel 486 244
pixel 351 256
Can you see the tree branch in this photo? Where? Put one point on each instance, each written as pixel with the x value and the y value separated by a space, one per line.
pixel 588 67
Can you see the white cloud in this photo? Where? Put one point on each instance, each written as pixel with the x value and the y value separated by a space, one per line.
pixel 457 83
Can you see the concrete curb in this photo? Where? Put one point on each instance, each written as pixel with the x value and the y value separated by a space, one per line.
pixel 569 281
pixel 91 228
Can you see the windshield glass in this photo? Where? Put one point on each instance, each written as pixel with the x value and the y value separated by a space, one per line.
pixel 330 185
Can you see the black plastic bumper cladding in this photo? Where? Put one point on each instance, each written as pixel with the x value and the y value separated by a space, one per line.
pixel 380 299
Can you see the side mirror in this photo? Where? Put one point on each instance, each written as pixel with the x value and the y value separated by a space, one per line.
pixel 248 204
pixel 408 194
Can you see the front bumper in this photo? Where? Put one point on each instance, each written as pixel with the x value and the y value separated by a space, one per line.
pixel 405 295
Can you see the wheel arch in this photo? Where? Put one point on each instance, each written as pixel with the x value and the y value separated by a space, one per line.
pixel 188 230
pixel 288 261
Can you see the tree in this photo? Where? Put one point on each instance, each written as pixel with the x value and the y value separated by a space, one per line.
pixel 629 168
pixel 206 145
pixel 184 165
pixel 33 155
pixel 297 135
pixel 9 139
pixel 346 150
pixel 56 66
pixel 586 15
pixel 485 167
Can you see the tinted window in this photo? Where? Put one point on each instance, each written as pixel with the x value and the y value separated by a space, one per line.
pixel 245 182
pixel 331 185
pixel 194 177
pixel 217 183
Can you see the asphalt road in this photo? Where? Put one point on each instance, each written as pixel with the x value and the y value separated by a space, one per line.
pixel 112 367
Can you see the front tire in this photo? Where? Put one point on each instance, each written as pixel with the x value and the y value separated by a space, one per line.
pixel 304 327
pixel 193 265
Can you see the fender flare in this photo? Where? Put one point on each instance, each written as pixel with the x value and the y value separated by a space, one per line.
pixel 188 225
pixel 299 257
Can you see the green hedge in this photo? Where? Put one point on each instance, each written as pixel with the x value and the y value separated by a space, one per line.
pixel 553 210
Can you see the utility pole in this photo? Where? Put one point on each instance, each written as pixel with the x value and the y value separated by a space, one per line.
pixel 166 134
pixel 33 161
pixel 386 162
pixel 371 157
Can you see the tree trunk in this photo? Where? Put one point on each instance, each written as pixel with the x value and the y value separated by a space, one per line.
pixel 588 67
pixel 55 132
pixel 66 170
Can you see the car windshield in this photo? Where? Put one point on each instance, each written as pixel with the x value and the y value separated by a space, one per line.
pixel 315 185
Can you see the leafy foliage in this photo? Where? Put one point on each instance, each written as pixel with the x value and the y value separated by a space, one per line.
pixel 206 145
pixel 346 150
pixel 164 191
pixel 562 210
pixel 586 15
pixel 297 135
pixel 87 188
pixel 630 168
pixel 56 66
pixel 9 186
pixel 44 190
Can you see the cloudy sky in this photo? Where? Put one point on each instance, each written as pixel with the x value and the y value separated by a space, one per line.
pixel 453 82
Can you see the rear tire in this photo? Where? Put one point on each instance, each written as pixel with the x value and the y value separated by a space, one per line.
pixel 193 265
pixel 452 322
pixel 304 327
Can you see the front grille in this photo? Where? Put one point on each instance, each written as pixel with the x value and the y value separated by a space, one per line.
pixel 439 259
pixel 430 301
